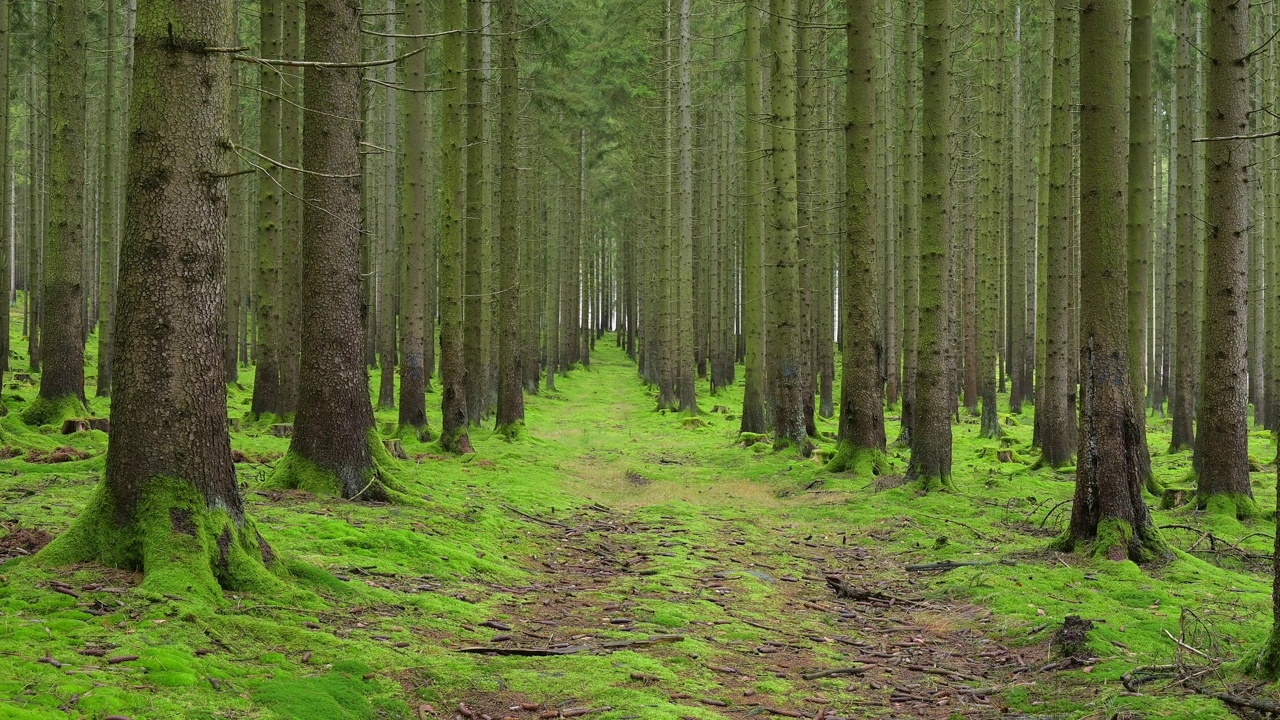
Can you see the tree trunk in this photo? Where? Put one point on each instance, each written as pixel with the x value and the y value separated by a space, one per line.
pixel 334 448
pixel 169 504
pixel 1141 154
pixel 474 308
pixel 268 287
pixel 1108 512
pixel 291 209
pixel 453 398
pixel 511 357
pixel 753 296
pixel 415 223
pixel 786 351
pixel 862 435
pixel 930 464
pixel 63 312
pixel 1184 395
pixel 1222 448
pixel 110 215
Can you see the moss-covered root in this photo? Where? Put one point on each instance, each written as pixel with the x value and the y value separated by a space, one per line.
pixel 860 461
pixel 46 411
pixel 1154 486
pixel 1266 664
pixel 185 549
pixel 296 472
pixel 926 485
pixel 512 432
pixel 421 433
pixel 1115 540
pixel 1236 505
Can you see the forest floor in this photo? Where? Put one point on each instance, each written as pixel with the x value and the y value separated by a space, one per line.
pixel 624 563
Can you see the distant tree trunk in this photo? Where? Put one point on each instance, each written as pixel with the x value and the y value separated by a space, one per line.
pixel 334 444
pixel 169 504
pixel 291 298
pixel 862 435
pixel 1140 193
pixel 1222 448
pixel 510 344
pixel 110 195
pixel 1184 395
pixel 415 223
pixel 1109 512
pixel 475 325
pixel 990 233
pixel 453 399
pixel 389 237
pixel 753 295
pixel 236 188
pixel 930 464
pixel 786 351
pixel 911 223
pixel 268 287
pixel 62 318
pixel 1057 409
pixel 685 379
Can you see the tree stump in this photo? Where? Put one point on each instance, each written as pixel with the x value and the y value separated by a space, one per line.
pixel 103 424
pixel 395 448
pixel 1072 639
pixel 282 430
pixel 1174 497
pixel 74 425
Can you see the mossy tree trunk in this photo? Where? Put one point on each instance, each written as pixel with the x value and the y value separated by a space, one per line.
pixel 62 316
pixel 686 386
pixel 1109 513
pixel 990 233
pixel 1222 449
pixel 511 356
pixel 415 223
pixel 862 435
pixel 930 464
pixel 453 392
pixel 753 295
pixel 169 503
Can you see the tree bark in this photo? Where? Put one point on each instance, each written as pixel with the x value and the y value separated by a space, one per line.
pixel 1109 513
pixel 169 504
pixel 511 356
pixel 1222 448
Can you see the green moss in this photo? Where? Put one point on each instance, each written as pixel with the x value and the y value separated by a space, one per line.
pixel 512 432
pixel 1235 505
pixel 194 563
pixel 52 412
pixel 861 462
pixel 296 472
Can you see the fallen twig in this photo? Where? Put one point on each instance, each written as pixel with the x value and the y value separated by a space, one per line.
pixel 946 565
pixel 833 671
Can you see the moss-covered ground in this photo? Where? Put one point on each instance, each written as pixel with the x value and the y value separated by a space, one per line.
pixel 662 569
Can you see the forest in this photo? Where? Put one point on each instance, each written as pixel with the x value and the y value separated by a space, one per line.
pixel 639 359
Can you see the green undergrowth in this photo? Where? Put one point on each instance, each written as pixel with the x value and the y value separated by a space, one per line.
pixel 369 602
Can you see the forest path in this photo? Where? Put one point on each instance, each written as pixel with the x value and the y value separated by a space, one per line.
pixel 722 590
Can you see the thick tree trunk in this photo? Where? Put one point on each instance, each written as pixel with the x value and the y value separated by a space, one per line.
pixel 511 357
pixel 416 224
pixel 786 351
pixel 1141 154
pixel 334 448
pixel 930 464
pixel 169 503
pixel 1109 512
pixel 862 435
pixel 63 312
pixel 1222 448
pixel 268 288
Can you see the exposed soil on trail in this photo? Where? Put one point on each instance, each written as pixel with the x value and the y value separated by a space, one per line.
pixel 768 611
